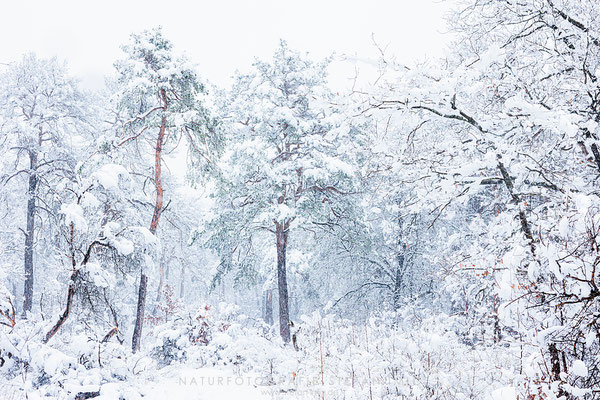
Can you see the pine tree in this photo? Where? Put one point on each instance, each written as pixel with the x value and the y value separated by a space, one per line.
pixel 160 100
pixel 43 114
pixel 288 160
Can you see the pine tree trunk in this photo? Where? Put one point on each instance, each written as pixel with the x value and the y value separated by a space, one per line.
pixel 269 306
pixel 158 177
pixel 29 233
pixel 141 305
pixel 139 320
pixel 281 234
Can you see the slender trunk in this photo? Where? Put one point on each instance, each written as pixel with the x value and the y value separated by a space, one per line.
pixel 141 305
pixel 596 154
pixel 157 176
pixel 400 256
pixel 281 234
pixel 398 280
pixel 161 282
pixel 139 320
pixel 182 282
pixel 269 306
pixel 72 281
pixel 294 309
pixel 525 226
pixel 496 317
pixel 65 314
pixel 164 276
pixel 555 365
pixel 29 233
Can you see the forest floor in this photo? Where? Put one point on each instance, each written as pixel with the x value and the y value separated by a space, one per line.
pixel 224 355
pixel 180 382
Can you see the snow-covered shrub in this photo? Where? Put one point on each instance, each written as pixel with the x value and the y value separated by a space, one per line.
pixel 205 326
pixel 407 355
pixel 411 354
pixel 398 357
pixel 72 363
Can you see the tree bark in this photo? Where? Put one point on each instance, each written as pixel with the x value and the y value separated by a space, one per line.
pixel 525 227
pixel 400 256
pixel 161 282
pixel 555 365
pixel 65 315
pixel 398 280
pixel 29 233
pixel 269 306
pixel 72 283
pixel 141 305
pixel 157 176
pixel 139 320
pixel 281 234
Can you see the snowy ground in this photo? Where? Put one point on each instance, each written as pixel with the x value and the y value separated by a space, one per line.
pixel 217 384
pixel 181 382
pixel 414 359
pixel 203 384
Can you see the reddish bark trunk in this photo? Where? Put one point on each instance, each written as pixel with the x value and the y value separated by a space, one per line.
pixel 141 305
pixel 157 176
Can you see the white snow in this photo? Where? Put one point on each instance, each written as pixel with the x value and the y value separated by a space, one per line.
pixel 108 176
pixel 74 215
pixel 504 393
pixel 579 368
pixel 205 384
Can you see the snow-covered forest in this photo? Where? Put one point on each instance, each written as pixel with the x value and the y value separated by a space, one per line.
pixel 430 231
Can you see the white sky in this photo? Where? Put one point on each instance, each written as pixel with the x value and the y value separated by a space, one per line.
pixel 219 36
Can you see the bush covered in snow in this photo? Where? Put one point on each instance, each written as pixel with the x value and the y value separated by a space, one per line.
pixel 406 355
